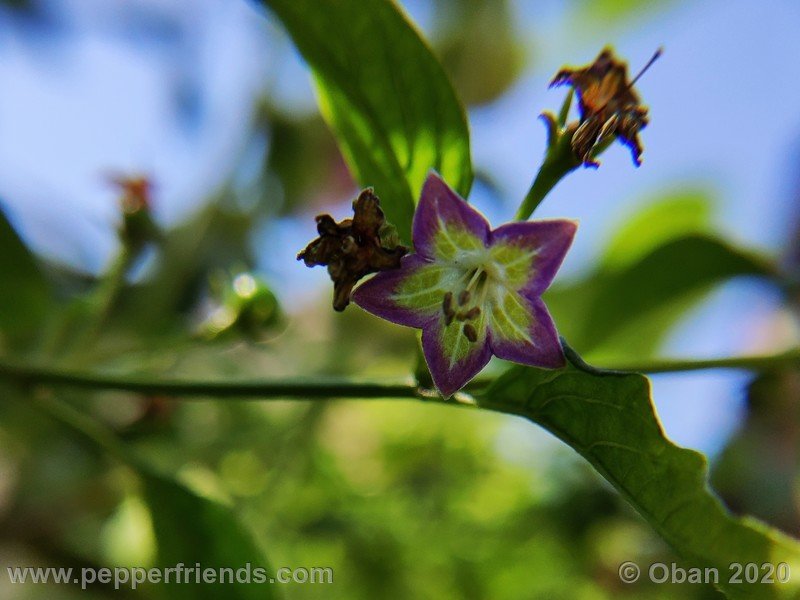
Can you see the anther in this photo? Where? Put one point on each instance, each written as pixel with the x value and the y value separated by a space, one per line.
pixel 447 303
pixel 463 297
pixel 447 308
pixel 470 314
pixel 470 333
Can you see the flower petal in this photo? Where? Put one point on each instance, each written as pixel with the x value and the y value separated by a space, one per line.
pixel 530 252
pixel 445 227
pixel 411 295
pixel 452 358
pixel 521 330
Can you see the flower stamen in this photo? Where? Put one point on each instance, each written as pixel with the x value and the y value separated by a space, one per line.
pixel 470 333
pixel 469 315
pixel 447 308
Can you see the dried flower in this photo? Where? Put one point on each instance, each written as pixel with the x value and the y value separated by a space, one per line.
pixel 352 248
pixel 138 226
pixel 608 104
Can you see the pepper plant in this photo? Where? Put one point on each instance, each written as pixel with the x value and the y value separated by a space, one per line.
pixel 416 253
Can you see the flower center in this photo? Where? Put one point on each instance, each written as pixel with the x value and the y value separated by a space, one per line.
pixel 464 306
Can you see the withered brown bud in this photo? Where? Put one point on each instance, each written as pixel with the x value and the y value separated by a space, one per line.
pixel 352 248
pixel 609 105
pixel 138 226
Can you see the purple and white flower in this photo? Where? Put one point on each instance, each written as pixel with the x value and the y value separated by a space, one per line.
pixel 474 291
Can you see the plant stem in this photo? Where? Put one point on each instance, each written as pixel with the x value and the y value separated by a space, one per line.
pixel 84 328
pixel 309 389
pixel 558 161
pixel 263 389
pixel 104 297
pixel 89 429
pixel 750 363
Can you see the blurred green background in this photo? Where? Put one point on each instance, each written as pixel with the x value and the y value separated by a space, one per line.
pixel 402 499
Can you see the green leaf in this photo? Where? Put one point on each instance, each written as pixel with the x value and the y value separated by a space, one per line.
pixel 619 13
pixel 189 528
pixel 192 529
pixel 627 310
pixel 480 47
pixel 753 470
pixel 661 220
pixel 609 419
pixel 385 95
pixel 638 292
pixel 24 292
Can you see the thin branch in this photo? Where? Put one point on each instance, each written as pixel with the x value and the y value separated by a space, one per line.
pixel 558 161
pixel 322 388
pixel 306 388
pixel 790 358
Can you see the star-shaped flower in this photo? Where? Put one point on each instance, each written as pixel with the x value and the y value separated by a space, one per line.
pixel 472 290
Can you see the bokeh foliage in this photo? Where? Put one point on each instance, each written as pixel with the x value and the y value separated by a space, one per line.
pixel 402 500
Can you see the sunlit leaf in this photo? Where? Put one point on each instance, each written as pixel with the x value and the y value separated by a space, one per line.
pixel 386 96
pixel 609 419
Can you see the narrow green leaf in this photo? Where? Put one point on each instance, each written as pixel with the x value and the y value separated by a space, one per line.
pixel 385 95
pixel 665 218
pixel 619 13
pixel 669 272
pixel 608 312
pixel 609 419
pixel 24 292
pixel 189 528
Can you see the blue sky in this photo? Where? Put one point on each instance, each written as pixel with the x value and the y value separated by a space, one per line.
pixel 106 88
